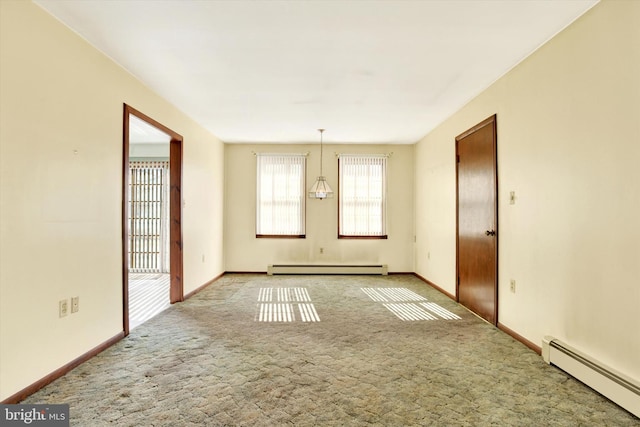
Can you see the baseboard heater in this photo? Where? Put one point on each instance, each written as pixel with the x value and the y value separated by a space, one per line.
pixel 326 269
pixel 619 388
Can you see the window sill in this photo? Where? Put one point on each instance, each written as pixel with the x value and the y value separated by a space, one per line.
pixel 281 236
pixel 340 236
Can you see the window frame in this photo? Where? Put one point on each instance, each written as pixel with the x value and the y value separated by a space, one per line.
pixel 384 234
pixel 302 197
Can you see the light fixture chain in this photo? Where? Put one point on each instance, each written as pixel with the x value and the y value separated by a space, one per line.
pixel 321 132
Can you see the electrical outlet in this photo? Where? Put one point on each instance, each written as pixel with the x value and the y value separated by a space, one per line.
pixel 513 286
pixel 63 307
pixel 75 304
pixel 321 250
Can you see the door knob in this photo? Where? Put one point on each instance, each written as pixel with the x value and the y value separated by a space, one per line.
pixel 490 232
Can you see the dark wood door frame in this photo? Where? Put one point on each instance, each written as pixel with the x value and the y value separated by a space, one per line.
pixel 176 293
pixel 490 121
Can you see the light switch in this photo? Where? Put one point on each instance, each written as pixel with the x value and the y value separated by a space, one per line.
pixel 512 198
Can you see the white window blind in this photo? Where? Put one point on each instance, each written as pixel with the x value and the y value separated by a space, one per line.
pixel 149 217
pixel 362 200
pixel 280 204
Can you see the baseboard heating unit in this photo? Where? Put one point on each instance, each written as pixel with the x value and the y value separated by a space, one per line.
pixel 326 269
pixel 619 388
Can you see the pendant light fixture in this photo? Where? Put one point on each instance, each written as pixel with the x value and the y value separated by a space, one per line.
pixel 320 189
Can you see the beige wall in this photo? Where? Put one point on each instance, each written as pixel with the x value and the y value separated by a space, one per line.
pixel 61 104
pixel 568 145
pixel 243 252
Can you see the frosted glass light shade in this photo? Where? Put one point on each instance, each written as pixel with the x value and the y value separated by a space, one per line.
pixel 320 189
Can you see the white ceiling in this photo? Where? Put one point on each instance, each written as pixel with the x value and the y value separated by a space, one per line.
pixel 275 71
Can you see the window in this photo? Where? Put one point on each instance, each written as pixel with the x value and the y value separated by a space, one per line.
pixel 149 217
pixel 362 204
pixel 280 191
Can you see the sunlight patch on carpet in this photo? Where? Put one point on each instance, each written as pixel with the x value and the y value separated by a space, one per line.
pixel 442 312
pixel 409 311
pixel 279 305
pixel 308 313
pixel 275 313
pixel 283 294
pixel 407 305
pixel 392 294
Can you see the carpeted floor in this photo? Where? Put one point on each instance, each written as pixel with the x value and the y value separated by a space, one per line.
pixel 257 350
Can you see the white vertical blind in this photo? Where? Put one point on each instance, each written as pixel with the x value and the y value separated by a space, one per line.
pixel 280 194
pixel 148 216
pixel 363 195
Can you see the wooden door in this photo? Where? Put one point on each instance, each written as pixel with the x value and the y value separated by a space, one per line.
pixel 477 220
pixel 176 292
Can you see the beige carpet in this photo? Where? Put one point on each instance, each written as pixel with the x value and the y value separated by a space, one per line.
pixel 255 350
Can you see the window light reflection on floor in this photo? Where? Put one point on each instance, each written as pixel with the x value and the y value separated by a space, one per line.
pixel 278 305
pixel 407 305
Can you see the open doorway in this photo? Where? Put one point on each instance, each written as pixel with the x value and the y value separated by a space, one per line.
pixel 152 248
